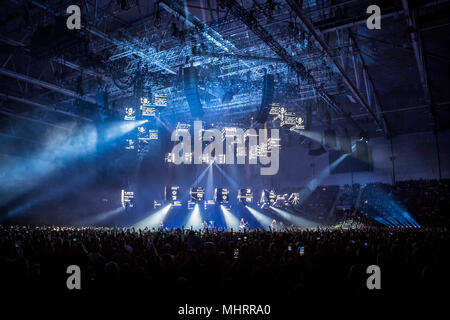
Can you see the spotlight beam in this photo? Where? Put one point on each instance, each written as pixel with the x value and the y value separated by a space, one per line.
pixel 195 219
pixel 100 217
pixel 263 220
pixel 230 220
pixel 314 183
pixel 227 176
pixel 296 220
pixel 154 219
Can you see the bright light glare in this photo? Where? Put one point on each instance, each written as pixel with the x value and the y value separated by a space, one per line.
pixel 117 129
pixel 230 220
pixel 195 219
pixel 100 217
pixel 296 220
pixel 153 220
pixel 263 220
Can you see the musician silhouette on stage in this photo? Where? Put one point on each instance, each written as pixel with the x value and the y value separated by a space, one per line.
pixel 243 224
pixel 273 225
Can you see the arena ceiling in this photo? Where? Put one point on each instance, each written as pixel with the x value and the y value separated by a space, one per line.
pixel 385 82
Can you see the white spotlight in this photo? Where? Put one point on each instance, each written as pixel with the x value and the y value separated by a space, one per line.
pixel 195 219
pixel 154 220
pixel 230 220
pixel 263 220
pixel 100 217
pixel 296 220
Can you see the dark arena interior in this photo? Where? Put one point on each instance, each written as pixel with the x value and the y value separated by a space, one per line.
pixel 191 150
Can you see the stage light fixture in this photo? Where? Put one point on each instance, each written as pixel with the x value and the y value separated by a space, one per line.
pixel 130 114
pixel 130 144
pixel 294 199
pixel 208 203
pixel 171 194
pixel 169 158
pixel 281 200
pixel 197 194
pixel 245 195
pixel 268 197
pixel 127 198
pixel 150 109
pixel 157 204
pixel 221 195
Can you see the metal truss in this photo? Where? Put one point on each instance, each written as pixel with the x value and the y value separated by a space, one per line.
pixel 252 23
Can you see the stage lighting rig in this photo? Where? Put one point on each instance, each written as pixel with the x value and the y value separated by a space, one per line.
pixel 160 100
pixel 208 203
pixel 197 194
pixel 299 124
pixel 294 199
pixel 221 195
pixel 281 200
pixel 146 108
pixel 287 118
pixel 153 134
pixel 231 132
pixel 191 204
pixel 171 194
pixel 145 134
pixel 157 204
pixel 150 109
pixel 245 195
pixel 268 198
pixel 130 114
pixel 130 144
pixel 169 158
pixel 127 198
pixel 183 127
pixel 277 111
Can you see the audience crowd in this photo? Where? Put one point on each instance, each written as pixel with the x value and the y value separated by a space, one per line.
pixel 290 261
pixel 179 261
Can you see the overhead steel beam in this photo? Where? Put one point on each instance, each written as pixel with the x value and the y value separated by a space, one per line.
pixel 354 23
pixel 38 105
pixel 423 73
pixel 20 138
pixel 252 23
pixel 377 99
pixel 210 34
pixel 307 25
pixel 191 20
pixel 121 44
pixel 22 117
pixel 418 51
pixel 362 20
pixel 47 85
pixel 77 67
